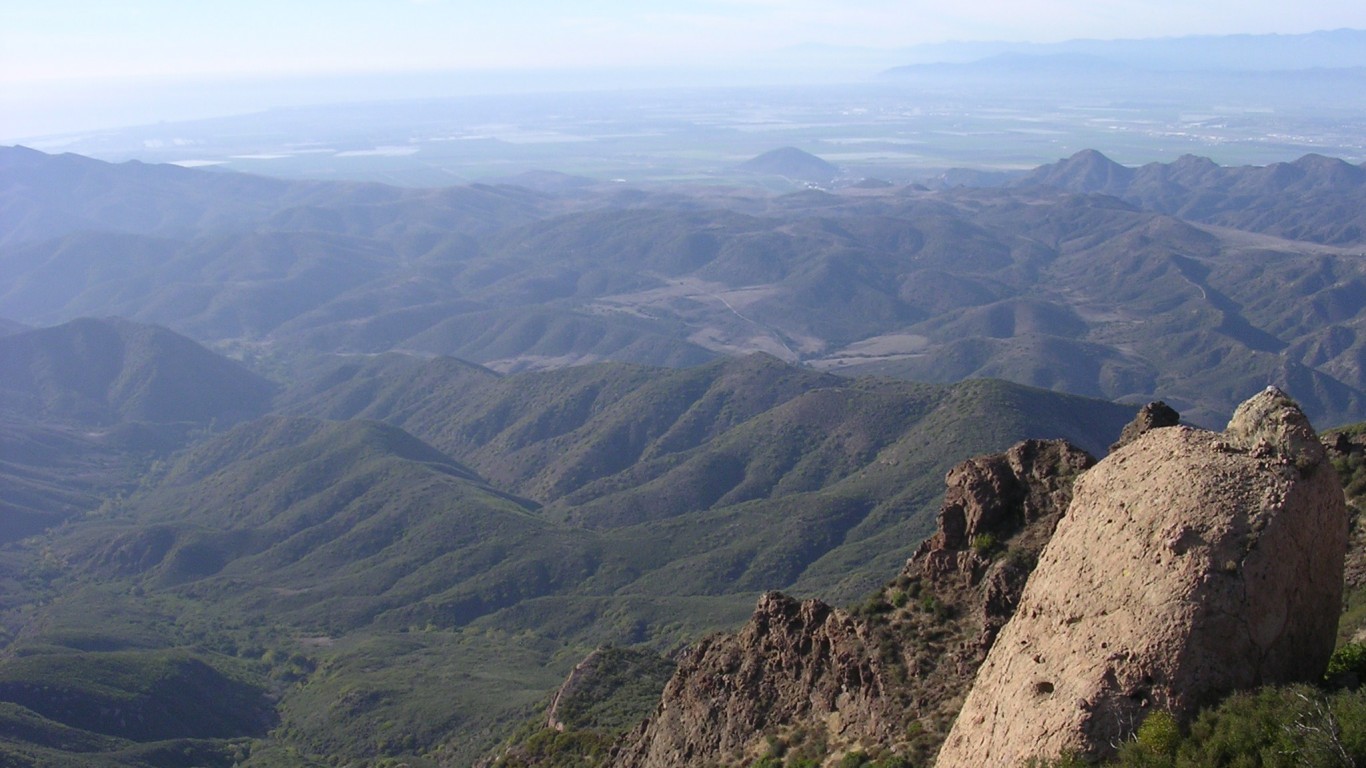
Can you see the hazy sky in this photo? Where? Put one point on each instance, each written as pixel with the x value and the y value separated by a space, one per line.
pixel 77 65
pixel 65 39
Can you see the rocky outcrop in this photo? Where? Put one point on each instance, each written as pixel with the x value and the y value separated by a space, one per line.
pixel 1188 565
pixel 1347 451
pixel 1155 415
pixel 1018 495
pixel 793 662
pixel 998 494
pixel 901 664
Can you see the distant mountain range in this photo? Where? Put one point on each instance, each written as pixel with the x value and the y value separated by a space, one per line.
pixel 1327 49
pixel 1185 281
pixel 382 465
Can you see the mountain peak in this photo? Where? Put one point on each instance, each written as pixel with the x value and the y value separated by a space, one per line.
pixel 1085 172
pixel 103 371
pixel 1330 170
pixel 793 163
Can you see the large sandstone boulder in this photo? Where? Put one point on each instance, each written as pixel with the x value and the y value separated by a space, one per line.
pixel 1189 564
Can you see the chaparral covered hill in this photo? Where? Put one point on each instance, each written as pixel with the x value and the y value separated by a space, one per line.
pixel 382 466
pixel 1188 281
pixel 398 557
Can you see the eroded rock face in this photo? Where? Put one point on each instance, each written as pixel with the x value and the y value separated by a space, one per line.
pixel 1189 564
pixel 1155 415
pixel 860 680
pixel 1000 493
pixel 1020 494
pixel 794 661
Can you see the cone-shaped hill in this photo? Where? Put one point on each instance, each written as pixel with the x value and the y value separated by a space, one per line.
pixel 99 372
pixel 793 163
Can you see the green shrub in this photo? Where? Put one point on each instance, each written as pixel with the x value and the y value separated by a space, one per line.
pixel 1350 659
pixel 853 759
pixel 1273 727
pixel 549 748
pixel 984 544
pixel 933 605
pixel 1159 734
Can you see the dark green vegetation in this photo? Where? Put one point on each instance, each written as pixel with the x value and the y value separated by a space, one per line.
pixel 1202 284
pixel 607 694
pixel 105 372
pixel 386 554
pixel 406 555
pixel 85 405
pixel 1296 726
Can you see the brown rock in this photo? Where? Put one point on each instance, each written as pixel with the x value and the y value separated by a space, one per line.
pixel 1271 424
pixel 793 662
pixel 999 493
pixel 862 680
pixel 1154 415
pixel 1189 564
pixel 990 499
pixel 1347 451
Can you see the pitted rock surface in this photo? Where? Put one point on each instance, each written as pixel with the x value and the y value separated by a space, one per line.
pixel 1189 564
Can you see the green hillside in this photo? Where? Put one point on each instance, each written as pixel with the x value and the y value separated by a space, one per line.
pixel 665 402
pixel 409 576
pixel 100 372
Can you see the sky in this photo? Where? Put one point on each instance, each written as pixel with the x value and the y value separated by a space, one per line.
pixel 54 53
pixel 45 40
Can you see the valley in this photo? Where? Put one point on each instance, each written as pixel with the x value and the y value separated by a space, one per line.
pixel 330 563
pixel 379 466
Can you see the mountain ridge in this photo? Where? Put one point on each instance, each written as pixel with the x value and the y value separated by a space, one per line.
pixel 443 546
pixel 1043 284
